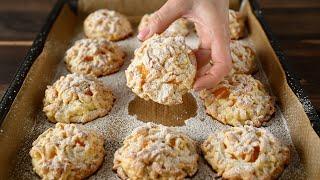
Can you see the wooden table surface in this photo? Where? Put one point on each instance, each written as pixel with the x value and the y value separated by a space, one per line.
pixel 294 22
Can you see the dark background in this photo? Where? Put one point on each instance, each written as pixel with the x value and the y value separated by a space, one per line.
pixel 296 23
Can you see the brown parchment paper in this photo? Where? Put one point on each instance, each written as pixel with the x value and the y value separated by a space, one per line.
pixel 21 118
pixel 304 138
pixel 25 120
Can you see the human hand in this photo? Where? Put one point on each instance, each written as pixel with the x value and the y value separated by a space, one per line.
pixel 212 25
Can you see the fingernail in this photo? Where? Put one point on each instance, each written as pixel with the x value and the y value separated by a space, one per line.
pixel 196 87
pixel 143 34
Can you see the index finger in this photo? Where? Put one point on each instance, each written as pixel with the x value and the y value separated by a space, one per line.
pixel 161 19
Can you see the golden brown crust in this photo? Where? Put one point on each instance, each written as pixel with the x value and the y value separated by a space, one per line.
pixel 177 28
pixel 107 24
pixel 236 25
pixel 96 57
pixel 246 153
pixel 243 58
pixel 77 98
pixel 239 100
pixel 156 152
pixel 163 70
pixel 67 151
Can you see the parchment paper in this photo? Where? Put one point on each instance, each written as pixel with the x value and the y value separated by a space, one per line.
pixel 26 121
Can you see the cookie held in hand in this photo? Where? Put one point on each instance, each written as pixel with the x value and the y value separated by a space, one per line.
pixel 163 70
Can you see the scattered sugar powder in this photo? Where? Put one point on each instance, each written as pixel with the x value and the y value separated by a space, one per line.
pixel 118 124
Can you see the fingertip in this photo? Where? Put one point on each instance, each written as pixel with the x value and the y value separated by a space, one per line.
pixel 205 82
pixel 198 86
pixel 143 34
pixel 197 89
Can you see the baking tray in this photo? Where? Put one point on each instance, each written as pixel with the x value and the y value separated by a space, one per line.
pixel 12 138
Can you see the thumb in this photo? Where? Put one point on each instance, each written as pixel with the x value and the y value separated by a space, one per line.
pixel 161 19
pixel 222 64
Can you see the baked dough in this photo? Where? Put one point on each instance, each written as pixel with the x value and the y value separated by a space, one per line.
pixel 245 153
pixel 67 151
pixel 77 98
pixel 239 100
pixel 243 58
pixel 107 24
pixel 156 152
pixel 178 27
pixel 97 57
pixel 163 69
pixel 236 24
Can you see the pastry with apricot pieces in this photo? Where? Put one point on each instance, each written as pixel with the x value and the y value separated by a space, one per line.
pixel 246 153
pixel 236 24
pixel 67 151
pixel 98 57
pixel 163 70
pixel 243 58
pixel 156 152
pixel 77 98
pixel 239 100
pixel 107 24
pixel 178 27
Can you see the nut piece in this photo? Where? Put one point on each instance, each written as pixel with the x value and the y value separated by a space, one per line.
pixel 239 100
pixel 245 153
pixel 156 152
pixel 236 24
pixel 67 151
pixel 163 70
pixel 107 24
pixel 97 57
pixel 77 98
pixel 179 27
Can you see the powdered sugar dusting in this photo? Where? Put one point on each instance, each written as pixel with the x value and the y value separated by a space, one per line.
pixel 118 124
pixel 108 24
pixel 163 70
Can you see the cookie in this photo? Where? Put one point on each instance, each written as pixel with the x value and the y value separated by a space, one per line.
pixel 178 27
pixel 77 98
pixel 236 24
pixel 246 153
pixel 67 151
pixel 163 70
pixel 243 58
pixel 239 100
pixel 96 57
pixel 156 152
pixel 107 24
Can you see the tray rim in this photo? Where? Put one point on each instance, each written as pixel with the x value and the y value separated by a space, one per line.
pixel 291 77
pixel 38 45
pixel 25 65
